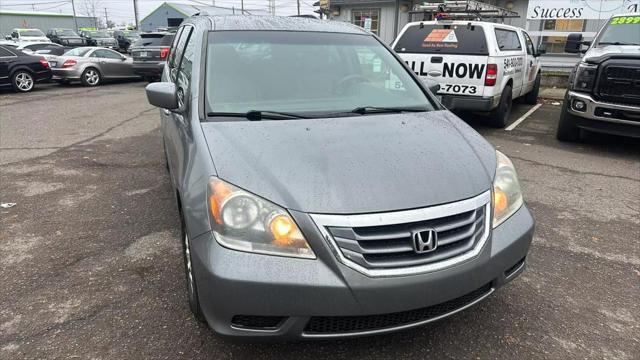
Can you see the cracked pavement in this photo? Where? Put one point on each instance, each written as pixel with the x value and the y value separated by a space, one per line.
pixel 90 261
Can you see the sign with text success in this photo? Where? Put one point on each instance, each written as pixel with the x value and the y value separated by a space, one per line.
pixel 579 9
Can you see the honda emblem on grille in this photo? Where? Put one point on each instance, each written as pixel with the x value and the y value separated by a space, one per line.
pixel 425 240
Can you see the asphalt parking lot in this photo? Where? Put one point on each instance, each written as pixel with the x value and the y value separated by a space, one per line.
pixel 90 262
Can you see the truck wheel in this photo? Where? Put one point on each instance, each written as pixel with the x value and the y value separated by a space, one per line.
pixel 532 97
pixel 500 115
pixel 91 77
pixel 567 129
pixel 22 81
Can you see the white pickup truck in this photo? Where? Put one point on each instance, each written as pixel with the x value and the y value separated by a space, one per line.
pixel 480 66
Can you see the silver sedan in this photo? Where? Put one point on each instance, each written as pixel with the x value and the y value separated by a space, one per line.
pixel 91 66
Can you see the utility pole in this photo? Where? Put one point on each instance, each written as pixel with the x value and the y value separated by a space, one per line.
pixel 298 1
pixel 106 18
pixel 242 6
pixel 135 13
pixel 75 19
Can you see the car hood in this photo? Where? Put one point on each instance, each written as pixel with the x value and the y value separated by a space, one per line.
pixel 70 37
pixel 599 54
pixel 364 164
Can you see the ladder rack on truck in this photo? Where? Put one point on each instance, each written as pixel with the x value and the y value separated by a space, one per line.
pixel 460 10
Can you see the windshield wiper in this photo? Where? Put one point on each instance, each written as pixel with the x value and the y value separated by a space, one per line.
pixel 376 110
pixel 257 115
pixel 616 43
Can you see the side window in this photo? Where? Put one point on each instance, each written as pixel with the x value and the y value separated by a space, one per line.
pixel 172 52
pixel 108 54
pixel 4 52
pixel 179 50
pixel 527 39
pixel 186 65
pixel 507 40
pixel 180 45
pixel 183 78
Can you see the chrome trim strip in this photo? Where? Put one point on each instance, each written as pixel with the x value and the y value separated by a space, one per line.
pixel 401 327
pixel 405 216
pixel 592 104
pixel 515 271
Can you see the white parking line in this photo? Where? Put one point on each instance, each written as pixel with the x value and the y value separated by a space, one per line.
pixel 522 118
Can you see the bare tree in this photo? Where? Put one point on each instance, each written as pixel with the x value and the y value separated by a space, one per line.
pixel 92 9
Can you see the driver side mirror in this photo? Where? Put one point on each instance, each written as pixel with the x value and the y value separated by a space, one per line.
pixel 432 85
pixel 163 95
pixel 542 49
pixel 573 44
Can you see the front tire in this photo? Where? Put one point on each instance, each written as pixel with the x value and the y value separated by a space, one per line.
pixel 500 115
pixel 22 81
pixel 532 97
pixel 192 287
pixel 91 77
pixel 567 129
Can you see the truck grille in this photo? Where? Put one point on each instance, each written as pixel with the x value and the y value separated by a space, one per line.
pixel 619 83
pixel 353 324
pixel 383 244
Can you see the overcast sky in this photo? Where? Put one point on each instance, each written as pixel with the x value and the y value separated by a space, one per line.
pixel 122 10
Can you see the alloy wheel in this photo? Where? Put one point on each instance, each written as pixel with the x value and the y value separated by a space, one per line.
pixel 92 77
pixel 24 81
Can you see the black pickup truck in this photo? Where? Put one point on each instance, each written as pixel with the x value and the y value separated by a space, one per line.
pixel 604 88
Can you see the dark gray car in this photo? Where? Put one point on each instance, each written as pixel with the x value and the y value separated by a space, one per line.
pixel 323 191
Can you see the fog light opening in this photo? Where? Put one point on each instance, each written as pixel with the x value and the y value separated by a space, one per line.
pixel 579 105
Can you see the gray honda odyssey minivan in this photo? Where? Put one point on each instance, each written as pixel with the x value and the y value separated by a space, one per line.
pixel 323 191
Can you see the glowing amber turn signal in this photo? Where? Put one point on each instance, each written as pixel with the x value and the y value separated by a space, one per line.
pixel 500 201
pixel 282 227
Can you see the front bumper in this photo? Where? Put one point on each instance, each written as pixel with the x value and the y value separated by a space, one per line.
pixel 148 68
pixel 471 103
pixel 604 117
pixel 303 293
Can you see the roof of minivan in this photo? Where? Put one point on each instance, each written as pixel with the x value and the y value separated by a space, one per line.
pixel 284 23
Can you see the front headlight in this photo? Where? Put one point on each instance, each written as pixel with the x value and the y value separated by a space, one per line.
pixel 507 197
pixel 243 221
pixel 585 77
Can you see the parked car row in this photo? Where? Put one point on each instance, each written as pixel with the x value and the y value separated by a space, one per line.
pixel 119 40
pixel 89 65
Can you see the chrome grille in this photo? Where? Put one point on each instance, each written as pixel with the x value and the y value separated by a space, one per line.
pixel 619 83
pixel 383 244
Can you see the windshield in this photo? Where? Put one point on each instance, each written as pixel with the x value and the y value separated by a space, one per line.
pixel 443 39
pixel 154 40
pixel 67 32
pixel 305 72
pixel 621 30
pixel 131 34
pixel 77 52
pixel 31 32
pixel 98 34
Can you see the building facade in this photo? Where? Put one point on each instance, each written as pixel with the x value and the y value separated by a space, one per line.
pixel 549 22
pixel 170 14
pixel 40 20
